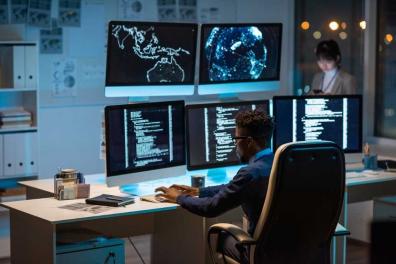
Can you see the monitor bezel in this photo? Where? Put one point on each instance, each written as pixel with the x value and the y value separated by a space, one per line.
pixel 291 97
pixel 110 174
pixel 167 24
pixel 201 55
pixel 201 105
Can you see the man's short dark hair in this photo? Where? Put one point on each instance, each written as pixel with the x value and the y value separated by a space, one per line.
pixel 329 50
pixel 258 124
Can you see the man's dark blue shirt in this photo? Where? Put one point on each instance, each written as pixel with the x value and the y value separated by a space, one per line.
pixel 248 189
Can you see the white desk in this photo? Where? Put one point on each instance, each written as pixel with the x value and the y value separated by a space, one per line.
pixel 366 188
pixel 36 222
pixel 363 187
pixel 177 235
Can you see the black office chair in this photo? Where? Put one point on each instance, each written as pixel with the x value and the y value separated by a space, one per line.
pixel 301 209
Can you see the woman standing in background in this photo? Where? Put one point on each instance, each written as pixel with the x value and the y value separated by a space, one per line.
pixel 332 80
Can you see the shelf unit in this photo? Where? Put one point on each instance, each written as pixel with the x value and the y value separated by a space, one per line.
pixel 19 90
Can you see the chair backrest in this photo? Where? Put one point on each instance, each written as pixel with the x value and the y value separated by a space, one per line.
pixel 302 205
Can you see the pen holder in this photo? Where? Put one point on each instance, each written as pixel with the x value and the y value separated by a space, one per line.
pixel 68 184
pixel 76 191
pixel 370 162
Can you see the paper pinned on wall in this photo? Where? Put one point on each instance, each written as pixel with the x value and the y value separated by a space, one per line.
pixel 188 10
pixel 69 13
pixel 4 12
pixel 130 9
pixel 39 14
pixel 217 11
pixel 51 40
pixel 167 10
pixel 19 9
pixel 177 10
pixel 64 78
pixel 137 10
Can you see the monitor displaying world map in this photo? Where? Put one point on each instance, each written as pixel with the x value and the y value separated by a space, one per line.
pixel 148 53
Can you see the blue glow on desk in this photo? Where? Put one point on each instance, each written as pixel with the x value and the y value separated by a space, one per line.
pixel 212 178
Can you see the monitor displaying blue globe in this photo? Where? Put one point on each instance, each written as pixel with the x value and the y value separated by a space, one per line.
pixel 240 53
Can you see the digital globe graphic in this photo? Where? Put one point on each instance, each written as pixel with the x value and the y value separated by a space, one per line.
pixel 235 53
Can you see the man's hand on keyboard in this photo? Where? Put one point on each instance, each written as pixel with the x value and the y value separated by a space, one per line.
pixel 170 194
pixel 186 189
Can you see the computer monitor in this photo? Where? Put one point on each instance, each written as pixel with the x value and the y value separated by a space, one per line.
pixel 210 128
pixel 148 59
pixel 232 54
pixel 302 118
pixel 144 142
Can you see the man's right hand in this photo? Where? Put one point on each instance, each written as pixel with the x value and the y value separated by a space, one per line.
pixel 186 189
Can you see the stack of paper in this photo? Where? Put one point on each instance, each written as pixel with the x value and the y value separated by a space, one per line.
pixel 15 118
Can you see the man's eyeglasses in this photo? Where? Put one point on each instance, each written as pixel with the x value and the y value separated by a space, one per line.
pixel 235 139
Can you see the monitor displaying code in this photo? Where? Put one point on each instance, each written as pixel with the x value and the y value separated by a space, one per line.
pixel 307 118
pixel 144 136
pixel 210 128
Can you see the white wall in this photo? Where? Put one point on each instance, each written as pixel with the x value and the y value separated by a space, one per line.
pixel 69 128
pixel 70 135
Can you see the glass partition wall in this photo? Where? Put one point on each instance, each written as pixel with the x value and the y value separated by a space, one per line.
pixel 385 92
pixel 340 20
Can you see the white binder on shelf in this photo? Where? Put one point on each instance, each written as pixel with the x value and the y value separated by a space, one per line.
pixel 20 154
pixel 10 145
pixel 1 157
pixel 31 66
pixel 28 154
pixel 18 66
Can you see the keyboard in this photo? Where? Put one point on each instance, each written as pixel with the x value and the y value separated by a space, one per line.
pixel 152 198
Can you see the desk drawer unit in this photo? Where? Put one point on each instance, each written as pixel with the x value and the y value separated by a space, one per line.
pixel 385 209
pixel 98 252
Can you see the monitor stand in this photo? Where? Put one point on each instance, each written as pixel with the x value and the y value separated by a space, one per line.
pixel 129 189
pixel 217 175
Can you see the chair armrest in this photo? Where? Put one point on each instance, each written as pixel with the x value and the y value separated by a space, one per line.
pixel 341 231
pixel 235 231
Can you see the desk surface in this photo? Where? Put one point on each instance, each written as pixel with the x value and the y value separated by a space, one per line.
pixel 49 210
pixel 368 177
pixel 49 207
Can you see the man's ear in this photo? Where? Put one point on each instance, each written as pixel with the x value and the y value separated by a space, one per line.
pixel 252 143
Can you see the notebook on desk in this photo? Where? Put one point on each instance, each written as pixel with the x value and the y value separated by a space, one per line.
pixel 388 165
pixel 110 200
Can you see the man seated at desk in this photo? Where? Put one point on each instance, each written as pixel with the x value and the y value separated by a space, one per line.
pixel 248 187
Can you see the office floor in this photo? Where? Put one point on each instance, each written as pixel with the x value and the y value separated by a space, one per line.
pixel 358 253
